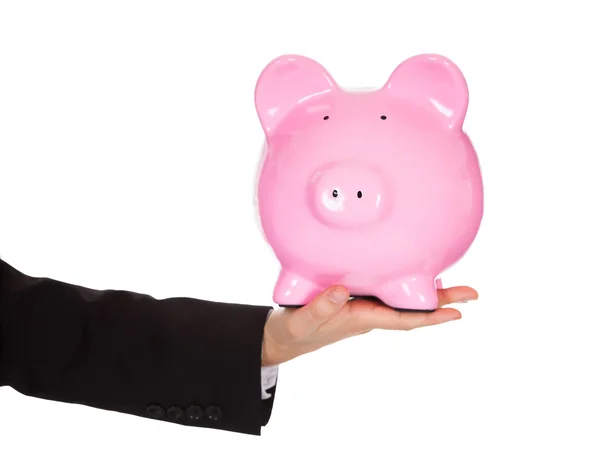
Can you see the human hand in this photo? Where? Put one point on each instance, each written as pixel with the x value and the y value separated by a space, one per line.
pixel 290 333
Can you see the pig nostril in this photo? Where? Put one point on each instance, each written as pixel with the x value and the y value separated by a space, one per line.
pixel 359 194
pixel 383 117
pixel 335 193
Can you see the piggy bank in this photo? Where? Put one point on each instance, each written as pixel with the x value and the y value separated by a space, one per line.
pixel 376 190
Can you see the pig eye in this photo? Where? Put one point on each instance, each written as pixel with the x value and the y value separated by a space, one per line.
pixel 383 117
pixel 359 194
pixel 334 193
pixel 326 117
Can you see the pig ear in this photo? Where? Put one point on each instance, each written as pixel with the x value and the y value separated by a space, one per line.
pixel 435 83
pixel 286 82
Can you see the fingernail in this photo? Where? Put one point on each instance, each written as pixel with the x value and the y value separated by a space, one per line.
pixel 337 296
pixel 467 300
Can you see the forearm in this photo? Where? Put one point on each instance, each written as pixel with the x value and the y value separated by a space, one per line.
pixel 132 353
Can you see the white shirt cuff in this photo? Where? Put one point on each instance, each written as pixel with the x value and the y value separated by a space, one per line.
pixel 269 378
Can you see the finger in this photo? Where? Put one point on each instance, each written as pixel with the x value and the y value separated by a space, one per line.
pixel 320 310
pixel 407 321
pixel 382 317
pixel 456 295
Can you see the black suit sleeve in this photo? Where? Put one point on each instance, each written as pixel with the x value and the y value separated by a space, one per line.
pixel 180 360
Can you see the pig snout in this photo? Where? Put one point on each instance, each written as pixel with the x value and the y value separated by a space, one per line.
pixel 349 195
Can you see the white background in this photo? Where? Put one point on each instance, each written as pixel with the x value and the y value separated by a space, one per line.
pixel 128 146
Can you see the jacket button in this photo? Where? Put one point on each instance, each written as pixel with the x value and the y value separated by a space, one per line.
pixel 214 413
pixel 194 412
pixel 175 413
pixel 155 411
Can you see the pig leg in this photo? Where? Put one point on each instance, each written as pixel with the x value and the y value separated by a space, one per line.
pixel 292 290
pixel 410 293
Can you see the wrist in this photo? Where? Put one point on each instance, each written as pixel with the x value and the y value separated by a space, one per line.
pixel 274 351
pixel 271 355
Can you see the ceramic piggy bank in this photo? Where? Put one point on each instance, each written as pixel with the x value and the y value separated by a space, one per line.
pixel 379 191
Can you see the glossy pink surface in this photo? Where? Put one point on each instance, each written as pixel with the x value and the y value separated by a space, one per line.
pixel 379 191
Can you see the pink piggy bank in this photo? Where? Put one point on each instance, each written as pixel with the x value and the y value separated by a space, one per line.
pixel 379 191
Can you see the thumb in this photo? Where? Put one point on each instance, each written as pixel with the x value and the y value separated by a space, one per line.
pixel 321 309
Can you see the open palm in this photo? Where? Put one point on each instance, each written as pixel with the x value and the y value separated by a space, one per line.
pixel 293 332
